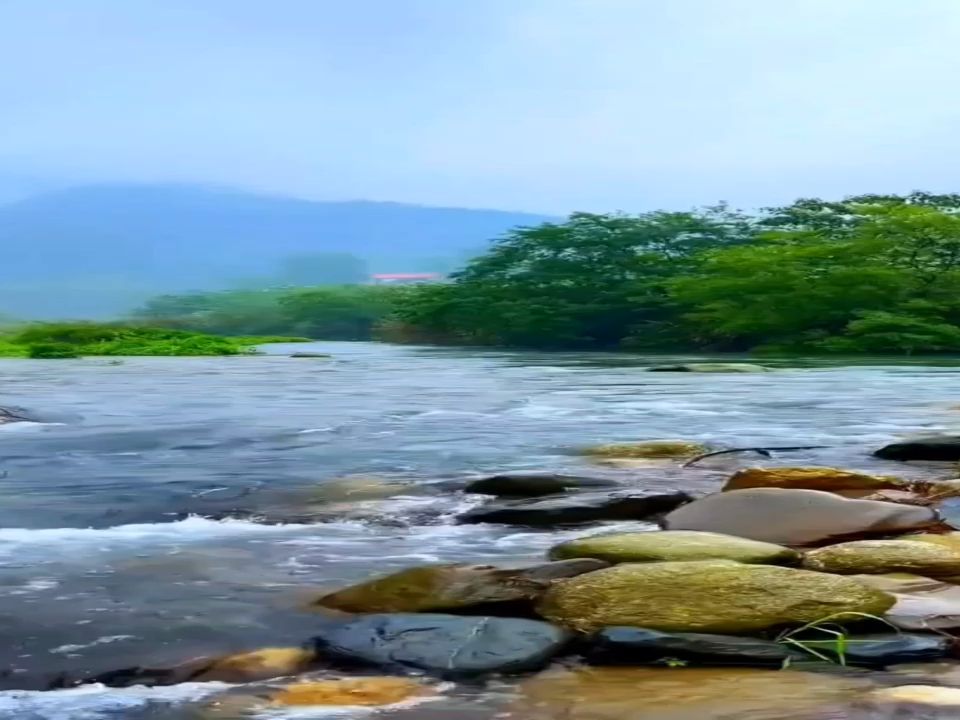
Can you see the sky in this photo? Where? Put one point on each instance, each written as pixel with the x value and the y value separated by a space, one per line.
pixel 541 105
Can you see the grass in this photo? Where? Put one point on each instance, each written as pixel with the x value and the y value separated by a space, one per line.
pixel 832 648
pixel 70 340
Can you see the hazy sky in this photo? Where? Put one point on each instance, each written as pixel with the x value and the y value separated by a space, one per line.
pixel 546 105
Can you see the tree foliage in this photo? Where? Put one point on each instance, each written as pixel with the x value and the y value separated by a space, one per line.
pixel 871 273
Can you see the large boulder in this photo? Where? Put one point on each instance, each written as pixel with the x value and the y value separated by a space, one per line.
pixel 922 603
pixel 647 449
pixel 574 509
pixel 796 517
pixel 809 478
pixel 670 545
pixel 534 484
pixel 871 557
pixel 718 596
pixel 711 368
pixel 935 447
pixel 454 587
pixel 640 646
pixel 444 645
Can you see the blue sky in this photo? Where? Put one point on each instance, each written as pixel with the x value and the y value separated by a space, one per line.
pixel 543 105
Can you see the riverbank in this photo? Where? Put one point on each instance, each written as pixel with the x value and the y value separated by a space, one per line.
pixel 110 558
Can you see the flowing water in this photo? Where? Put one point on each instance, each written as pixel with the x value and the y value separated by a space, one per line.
pixel 169 508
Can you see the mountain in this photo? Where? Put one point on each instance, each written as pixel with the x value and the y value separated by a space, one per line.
pixel 87 251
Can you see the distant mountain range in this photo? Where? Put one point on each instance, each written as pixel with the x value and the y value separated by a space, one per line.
pixel 95 250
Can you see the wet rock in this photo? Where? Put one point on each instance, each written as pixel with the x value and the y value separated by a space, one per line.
pixel 809 478
pixel 949 509
pixel 640 646
pixel 13 415
pixel 573 509
pixel 718 596
pixel 307 354
pixel 454 587
pixel 796 517
pixel 625 693
pixel 711 368
pixel 648 449
pixel 882 649
pixel 670 545
pixel 360 488
pixel 869 557
pixel 936 447
pixel 367 691
pixel 262 664
pixel 444 645
pixel 533 484
pixel 921 603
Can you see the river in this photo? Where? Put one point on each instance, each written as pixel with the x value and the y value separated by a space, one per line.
pixel 109 556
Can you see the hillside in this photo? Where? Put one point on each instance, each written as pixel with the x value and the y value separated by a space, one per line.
pixel 95 250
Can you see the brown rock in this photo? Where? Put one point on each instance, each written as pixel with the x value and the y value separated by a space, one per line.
pixel 648 449
pixel 434 588
pixel 809 478
pixel 260 664
pixel 869 557
pixel 367 691
pixel 796 517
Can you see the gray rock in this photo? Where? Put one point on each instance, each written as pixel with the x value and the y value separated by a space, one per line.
pixel 574 509
pixel 533 484
pixel 640 646
pixel 938 447
pixel 307 354
pixel 711 368
pixel 881 649
pixel 443 645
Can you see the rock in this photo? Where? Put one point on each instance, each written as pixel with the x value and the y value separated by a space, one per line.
pixel 356 488
pixel 796 517
pixel 367 691
pixel 921 603
pixel 718 596
pixel 881 649
pixel 935 447
pixel 307 354
pixel 639 646
pixel 944 672
pixel 711 368
pixel 893 702
pixel 261 664
pixel 809 478
pixel 648 449
pixel 444 645
pixel 454 587
pixel 871 557
pixel 625 693
pixel 948 540
pixel 949 509
pixel 669 545
pixel 10 415
pixel 533 484
pixel 573 509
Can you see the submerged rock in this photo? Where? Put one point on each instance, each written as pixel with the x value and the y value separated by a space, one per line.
pixel 718 596
pixel 444 645
pixel 921 603
pixel 573 509
pixel 711 368
pixel 366 691
pixel 262 664
pixel 14 415
pixel 640 646
pixel 647 449
pixel 625 693
pixel 809 478
pixel 308 354
pixel 454 587
pixel 668 545
pixel 936 447
pixel 913 702
pixel 869 557
pixel 796 517
pixel 360 488
pixel 533 484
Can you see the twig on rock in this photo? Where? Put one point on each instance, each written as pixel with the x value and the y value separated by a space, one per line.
pixel 765 451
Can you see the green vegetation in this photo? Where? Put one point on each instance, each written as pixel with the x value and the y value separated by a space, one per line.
pixel 869 274
pixel 348 312
pixel 72 340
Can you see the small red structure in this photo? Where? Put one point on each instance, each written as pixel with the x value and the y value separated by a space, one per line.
pixel 404 278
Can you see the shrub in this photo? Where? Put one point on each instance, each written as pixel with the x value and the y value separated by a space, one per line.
pixel 52 351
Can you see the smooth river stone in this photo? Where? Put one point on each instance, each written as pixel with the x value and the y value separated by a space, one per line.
pixel 936 447
pixel 534 484
pixel 577 508
pixel 796 517
pixel 445 645
pixel 869 557
pixel 809 478
pixel 922 603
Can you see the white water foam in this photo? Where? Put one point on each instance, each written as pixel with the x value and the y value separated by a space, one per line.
pixel 96 702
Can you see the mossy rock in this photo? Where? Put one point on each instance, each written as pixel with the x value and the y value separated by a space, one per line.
pixel 256 665
pixel 810 478
pixel 674 545
pixel 874 557
pixel 712 596
pixel 647 449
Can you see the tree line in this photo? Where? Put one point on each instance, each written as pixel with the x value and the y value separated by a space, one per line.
pixel 867 274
